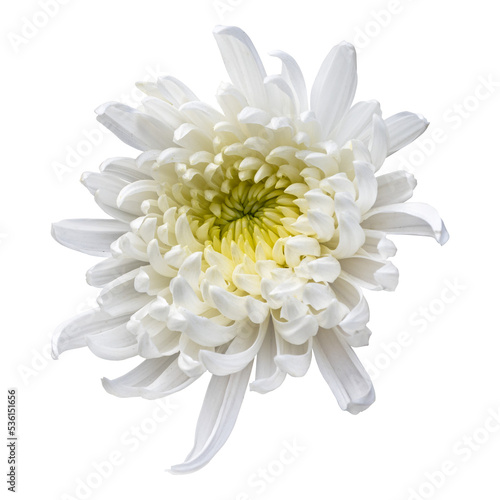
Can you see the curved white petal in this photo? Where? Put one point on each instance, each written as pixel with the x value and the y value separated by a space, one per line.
pixel 134 128
pixel 202 330
pixel 343 372
pixel 357 123
pixel 377 244
pixel 109 269
pixel 240 352
pixel 292 73
pixel 217 418
pixel 114 344
pixel 417 219
pixel 176 92
pixel 72 333
pixel 294 359
pixel 370 273
pixel 367 185
pixel 379 142
pixel 394 187
pixel 243 64
pixel 153 378
pixel 123 168
pixel 297 331
pixel 120 296
pixel 267 374
pixel 350 235
pixel 90 236
pixel 351 295
pixel 334 87
pixel 403 128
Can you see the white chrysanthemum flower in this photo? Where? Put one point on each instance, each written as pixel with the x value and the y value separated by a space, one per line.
pixel 244 233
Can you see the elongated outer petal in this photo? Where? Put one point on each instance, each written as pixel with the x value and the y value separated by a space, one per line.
pixel 297 331
pixel 370 273
pixel 139 130
pixel 152 379
pixel 267 375
pixel 90 236
pixel 357 122
pixel 294 359
pixel 217 418
pixel 367 185
pixel 243 64
pixel 379 142
pixel 334 88
pixel 417 219
pixel 351 235
pixel 240 352
pixel 72 333
pixel 292 73
pixel 394 187
pixel 403 128
pixel 343 372
pixel 115 344
pixel 109 269
pixel 201 330
pixel 351 295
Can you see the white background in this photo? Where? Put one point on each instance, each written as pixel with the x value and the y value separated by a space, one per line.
pixel 435 394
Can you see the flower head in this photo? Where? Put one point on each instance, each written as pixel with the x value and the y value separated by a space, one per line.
pixel 244 233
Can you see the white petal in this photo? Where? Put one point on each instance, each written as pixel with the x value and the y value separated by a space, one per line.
pixel 192 138
pixel 297 331
pixel 323 225
pixel 407 218
pixel 297 246
pixel 188 360
pixel 120 296
pixel 217 418
pixel 90 236
pixel 72 333
pixel 395 187
pixel 152 379
pixel 240 352
pixel 293 75
pixel 357 122
pixel 322 269
pixel 235 307
pixel 164 343
pixel 351 295
pixel 231 100
pixel 115 344
pixel 202 330
pixel 379 142
pixel 359 338
pixel 367 185
pixel 282 99
pixel 164 111
pixel 332 315
pixel 177 92
pixel 334 88
pixel 370 273
pixel 123 168
pixel 134 128
pixel 184 296
pixel 378 244
pixel 403 128
pixel 294 359
pixel 267 375
pixel 243 64
pixel 109 269
pixel 350 234
pixel 343 372
pixel 202 115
